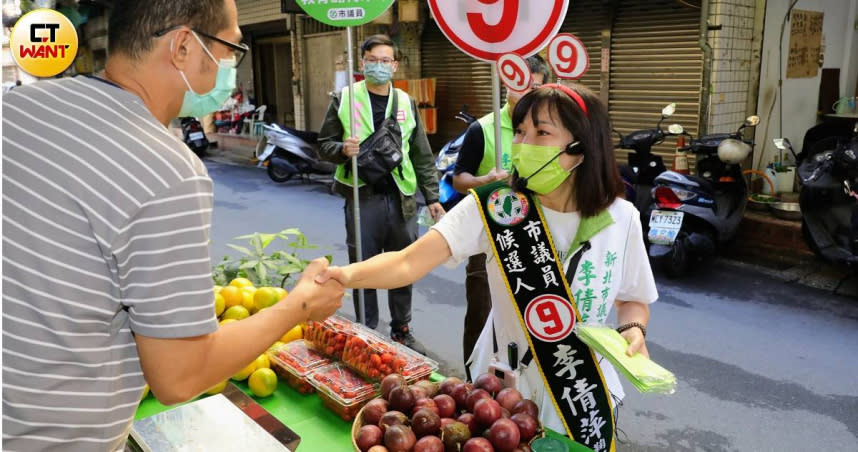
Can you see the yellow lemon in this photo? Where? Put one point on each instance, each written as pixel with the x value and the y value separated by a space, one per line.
pixel 262 382
pixel 231 296
pixel 244 373
pixel 247 298
pixel 237 313
pixel 225 321
pixel 145 391
pixel 217 388
pixel 275 345
pixel 265 297
pixel 241 282
pixel 217 288
pixel 295 333
pixel 281 293
pixel 220 305
pixel 262 362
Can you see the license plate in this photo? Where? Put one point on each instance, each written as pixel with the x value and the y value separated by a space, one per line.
pixel 664 226
pixel 196 136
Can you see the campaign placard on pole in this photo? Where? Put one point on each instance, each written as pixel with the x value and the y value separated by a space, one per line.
pixel 568 57
pixel 487 29
pixel 344 14
pixel 514 73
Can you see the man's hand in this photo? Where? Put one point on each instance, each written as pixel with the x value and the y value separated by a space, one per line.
pixel 319 300
pixel 351 147
pixel 334 273
pixel 436 210
pixel 495 175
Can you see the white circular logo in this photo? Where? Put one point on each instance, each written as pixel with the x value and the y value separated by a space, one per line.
pixel 549 317
pixel 487 29
pixel 568 56
pixel 514 72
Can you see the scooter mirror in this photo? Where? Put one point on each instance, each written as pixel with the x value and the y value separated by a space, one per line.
pixel 669 110
pixel 675 129
pixel 752 120
pixel 781 143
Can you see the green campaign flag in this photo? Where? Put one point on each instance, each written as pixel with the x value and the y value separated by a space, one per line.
pixel 344 14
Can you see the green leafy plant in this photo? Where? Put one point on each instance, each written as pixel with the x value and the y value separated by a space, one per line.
pixel 262 267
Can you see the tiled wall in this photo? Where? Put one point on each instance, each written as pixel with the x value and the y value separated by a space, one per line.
pixel 731 62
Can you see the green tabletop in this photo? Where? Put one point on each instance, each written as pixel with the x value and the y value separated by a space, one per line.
pixel 319 428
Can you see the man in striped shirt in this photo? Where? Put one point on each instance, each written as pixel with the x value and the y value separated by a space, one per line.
pixel 106 268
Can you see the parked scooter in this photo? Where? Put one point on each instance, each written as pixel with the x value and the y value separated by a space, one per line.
pixel 644 166
pixel 446 163
pixel 829 210
pixel 289 151
pixel 194 136
pixel 692 215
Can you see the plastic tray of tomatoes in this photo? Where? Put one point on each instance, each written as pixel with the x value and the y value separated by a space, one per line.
pixel 372 355
pixel 417 367
pixel 294 361
pixel 329 336
pixel 343 391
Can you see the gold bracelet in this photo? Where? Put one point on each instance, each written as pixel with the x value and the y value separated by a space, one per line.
pixel 629 325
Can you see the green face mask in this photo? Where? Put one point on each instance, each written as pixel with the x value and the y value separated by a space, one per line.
pixel 539 167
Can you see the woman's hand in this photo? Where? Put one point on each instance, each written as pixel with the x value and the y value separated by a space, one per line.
pixel 338 274
pixel 637 343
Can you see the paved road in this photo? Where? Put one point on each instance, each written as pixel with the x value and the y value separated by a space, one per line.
pixel 762 364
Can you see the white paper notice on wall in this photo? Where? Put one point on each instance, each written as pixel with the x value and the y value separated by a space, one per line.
pixel 805 42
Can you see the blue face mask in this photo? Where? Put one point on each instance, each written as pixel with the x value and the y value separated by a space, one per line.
pixel 378 73
pixel 198 105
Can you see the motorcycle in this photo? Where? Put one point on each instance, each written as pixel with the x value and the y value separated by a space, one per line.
pixel 692 215
pixel 287 152
pixel 445 163
pixel 194 136
pixel 829 210
pixel 644 166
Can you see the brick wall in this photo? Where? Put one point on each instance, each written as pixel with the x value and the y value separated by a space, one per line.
pixel 732 53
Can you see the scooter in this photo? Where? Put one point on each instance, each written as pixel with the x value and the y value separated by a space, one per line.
pixel 644 166
pixel 829 210
pixel 445 163
pixel 692 215
pixel 194 136
pixel 287 152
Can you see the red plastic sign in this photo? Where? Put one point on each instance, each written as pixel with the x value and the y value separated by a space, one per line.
pixel 568 56
pixel 487 29
pixel 514 72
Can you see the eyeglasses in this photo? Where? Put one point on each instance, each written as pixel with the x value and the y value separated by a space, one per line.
pixel 373 60
pixel 239 50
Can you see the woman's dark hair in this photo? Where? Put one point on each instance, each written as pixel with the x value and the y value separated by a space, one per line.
pixel 133 23
pixel 597 180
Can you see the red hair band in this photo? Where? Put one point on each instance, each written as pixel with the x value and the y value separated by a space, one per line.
pixel 569 92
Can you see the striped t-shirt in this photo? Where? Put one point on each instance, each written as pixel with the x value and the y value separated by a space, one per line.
pixel 106 221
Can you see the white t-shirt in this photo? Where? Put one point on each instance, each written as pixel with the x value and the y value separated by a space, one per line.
pixel 615 268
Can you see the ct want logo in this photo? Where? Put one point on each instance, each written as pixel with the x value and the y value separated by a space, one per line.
pixel 43 43
pixel 549 317
pixel 507 207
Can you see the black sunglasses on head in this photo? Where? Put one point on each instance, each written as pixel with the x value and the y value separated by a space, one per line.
pixel 239 50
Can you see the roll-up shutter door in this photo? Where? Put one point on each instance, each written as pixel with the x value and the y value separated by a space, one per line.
pixel 460 80
pixel 586 19
pixel 655 60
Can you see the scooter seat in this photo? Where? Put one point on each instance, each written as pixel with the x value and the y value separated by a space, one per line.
pixel 671 177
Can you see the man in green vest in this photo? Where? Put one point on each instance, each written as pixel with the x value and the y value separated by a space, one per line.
pixel 388 210
pixel 475 167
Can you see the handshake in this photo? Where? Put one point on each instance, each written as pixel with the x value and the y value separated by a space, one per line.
pixel 319 290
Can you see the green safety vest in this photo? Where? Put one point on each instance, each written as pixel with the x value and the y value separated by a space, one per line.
pixel 488 124
pixel 406 179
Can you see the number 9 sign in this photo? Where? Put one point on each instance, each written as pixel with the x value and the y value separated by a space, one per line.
pixel 487 29
pixel 514 72
pixel 568 56
pixel 549 318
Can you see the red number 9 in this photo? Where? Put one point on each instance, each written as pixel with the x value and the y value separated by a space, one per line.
pixel 547 312
pixel 513 73
pixel 567 55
